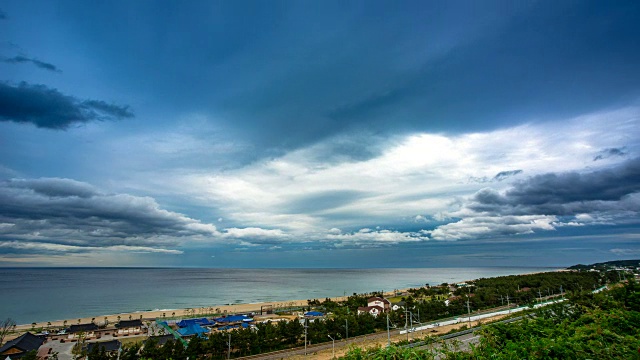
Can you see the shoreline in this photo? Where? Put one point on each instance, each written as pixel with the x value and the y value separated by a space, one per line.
pixel 176 313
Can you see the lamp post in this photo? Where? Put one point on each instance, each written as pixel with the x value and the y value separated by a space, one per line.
pixel 333 346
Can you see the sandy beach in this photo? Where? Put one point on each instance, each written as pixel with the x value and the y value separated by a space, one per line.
pixel 174 313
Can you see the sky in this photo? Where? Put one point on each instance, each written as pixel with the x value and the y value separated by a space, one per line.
pixel 319 133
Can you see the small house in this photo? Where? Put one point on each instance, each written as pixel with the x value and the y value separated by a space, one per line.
pixel 85 330
pixel 397 306
pixel 21 345
pixel 381 302
pixel 129 327
pixel 110 347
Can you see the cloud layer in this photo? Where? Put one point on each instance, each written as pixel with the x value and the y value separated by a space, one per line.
pixel 331 126
pixel 63 215
pixel 49 108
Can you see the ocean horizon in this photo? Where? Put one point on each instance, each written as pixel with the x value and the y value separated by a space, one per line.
pixel 39 294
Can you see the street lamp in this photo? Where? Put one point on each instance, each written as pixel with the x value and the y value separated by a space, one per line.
pixel 333 345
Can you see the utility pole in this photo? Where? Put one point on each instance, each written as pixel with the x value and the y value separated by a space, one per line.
pixel 508 304
pixel 561 294
pixel 388 332
pixel 406 322
pixel 540 295
pixel 501 300
pixel 411 321
pixel 305 336
pixel 469 311
pixel 347 328
pixel 229 344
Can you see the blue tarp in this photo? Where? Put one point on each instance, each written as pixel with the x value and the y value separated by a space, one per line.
pixel 231 319
pixel 192 329
pixel 313 313
pixel 187 322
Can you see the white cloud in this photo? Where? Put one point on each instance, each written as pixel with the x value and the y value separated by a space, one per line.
pixel 254 233
pixel 61 248
pixel 368 236
pixel 484 226
pixel 417 174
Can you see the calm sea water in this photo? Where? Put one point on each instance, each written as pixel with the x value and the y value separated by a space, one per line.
pixel 47 294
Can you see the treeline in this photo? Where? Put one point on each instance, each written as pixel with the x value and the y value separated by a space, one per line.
pixel 587 326
pixel 607 265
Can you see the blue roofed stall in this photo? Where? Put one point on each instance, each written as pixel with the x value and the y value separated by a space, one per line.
pixel 313 314
pixel 192 329
pixel 201 322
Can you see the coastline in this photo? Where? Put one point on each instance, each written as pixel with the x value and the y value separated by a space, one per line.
pixel 175 313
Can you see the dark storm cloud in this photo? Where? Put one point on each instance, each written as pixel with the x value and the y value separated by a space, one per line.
pixel 610 152
pixel 564 194
pixel 291 74
pixel 71 213
pixel 41 64
pixel 548 59
pixel 49 108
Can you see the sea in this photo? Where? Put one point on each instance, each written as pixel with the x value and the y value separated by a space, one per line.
pixel 47 294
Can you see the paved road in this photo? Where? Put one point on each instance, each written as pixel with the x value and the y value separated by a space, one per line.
pixel 459 343
pixel 319 347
